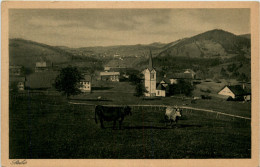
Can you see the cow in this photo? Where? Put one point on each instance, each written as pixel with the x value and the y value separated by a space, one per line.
pixel 111 114
pixel 172 114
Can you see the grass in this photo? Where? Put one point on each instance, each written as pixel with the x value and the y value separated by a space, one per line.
pixel 48 127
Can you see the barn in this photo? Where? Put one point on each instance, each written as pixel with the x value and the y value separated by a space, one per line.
pixel 236 92
pixel 41 80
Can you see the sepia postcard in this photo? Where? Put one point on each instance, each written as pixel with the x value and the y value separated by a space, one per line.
pixel 130 84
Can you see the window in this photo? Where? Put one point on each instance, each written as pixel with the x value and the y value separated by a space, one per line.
pixel 152 76
pixel 158 92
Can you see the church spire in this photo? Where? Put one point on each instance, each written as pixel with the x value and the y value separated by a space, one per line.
pixel 150 66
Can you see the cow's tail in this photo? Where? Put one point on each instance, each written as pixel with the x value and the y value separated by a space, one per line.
pixel 96 116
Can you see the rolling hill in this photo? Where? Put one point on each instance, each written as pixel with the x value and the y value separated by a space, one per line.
pixel 205 53
pixel 211 44
pixel 26 53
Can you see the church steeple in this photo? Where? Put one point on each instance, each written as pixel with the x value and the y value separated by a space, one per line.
pixel 150 66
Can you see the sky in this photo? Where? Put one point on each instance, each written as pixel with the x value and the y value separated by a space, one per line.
pixel 106 27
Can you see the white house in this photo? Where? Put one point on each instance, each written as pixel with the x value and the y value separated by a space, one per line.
pixel 235 92
pixel 150 79
pixel 110 76
pixel 85 84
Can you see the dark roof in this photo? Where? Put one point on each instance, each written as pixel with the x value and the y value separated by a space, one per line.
pixel 160 87
pixel 180 76
pixel 166 80
pixel 238 90
pixel 41 80
pixel 86 78
pixel 16 79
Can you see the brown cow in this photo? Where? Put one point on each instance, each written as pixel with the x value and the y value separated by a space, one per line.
pixel 111 114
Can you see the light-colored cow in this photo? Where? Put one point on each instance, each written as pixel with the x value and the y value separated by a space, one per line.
pixel 172 114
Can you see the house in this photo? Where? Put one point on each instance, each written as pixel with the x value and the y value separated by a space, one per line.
pixel 106 69
pixel 15 70
pixel 110 76
pixel 162 89
pixel 150 79
pixel 17 81
pixel 175 77
pixel 85 83
pixel 41 66
pixel 236 92
pixel 191 72
pixel 41 80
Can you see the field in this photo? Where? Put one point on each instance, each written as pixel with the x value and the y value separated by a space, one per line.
pixel 50 127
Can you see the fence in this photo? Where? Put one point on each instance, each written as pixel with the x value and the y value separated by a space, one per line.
pixel 183 107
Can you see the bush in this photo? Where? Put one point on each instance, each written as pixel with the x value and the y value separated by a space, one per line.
pixel 206 91
pixel 139 90
pixel 205 97
pixel 67 81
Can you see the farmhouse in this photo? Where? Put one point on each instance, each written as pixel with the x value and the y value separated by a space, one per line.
pixel 15 70
pixel 41 66
pixel 42 80
pixel 106 69
pixel 85 84
pixel 175 77
pixel 17 81
pixel 191 72
pixel 236 91
pixel 150 79
pixel 110 76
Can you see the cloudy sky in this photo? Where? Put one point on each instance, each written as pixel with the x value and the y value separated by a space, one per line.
pixel 103 27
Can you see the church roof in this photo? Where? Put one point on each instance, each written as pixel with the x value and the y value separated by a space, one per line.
pixel 150 66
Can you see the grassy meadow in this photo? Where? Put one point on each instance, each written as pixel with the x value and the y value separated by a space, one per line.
pixel 50 127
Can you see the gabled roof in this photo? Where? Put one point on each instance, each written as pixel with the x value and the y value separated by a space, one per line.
pixel 160 87
pixel 180 76
pixel 189 71
pixel 166 80
pixel 41 80
pixel 237 90
pixel 41 64
pixel 16 79
pixel 109 73
pixel 86 78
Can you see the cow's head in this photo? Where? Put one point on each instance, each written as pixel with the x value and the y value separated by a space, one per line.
pixel 178 112
pixel 127 110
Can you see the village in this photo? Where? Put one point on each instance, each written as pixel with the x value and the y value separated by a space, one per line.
pixel 118 79
pixel 71 122
pixel 130 84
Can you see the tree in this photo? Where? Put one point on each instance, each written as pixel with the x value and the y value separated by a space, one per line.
pixel 182 87
pixel 13 87
pixel 68 80
pixel 139 89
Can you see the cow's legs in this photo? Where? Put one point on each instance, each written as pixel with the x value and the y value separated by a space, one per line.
pixel 165 120
pixel 120 123
pixel 171 123
pixel 114 124
pixel 102 124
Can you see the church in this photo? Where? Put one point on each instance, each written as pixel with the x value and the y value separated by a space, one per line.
pixel 150 79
